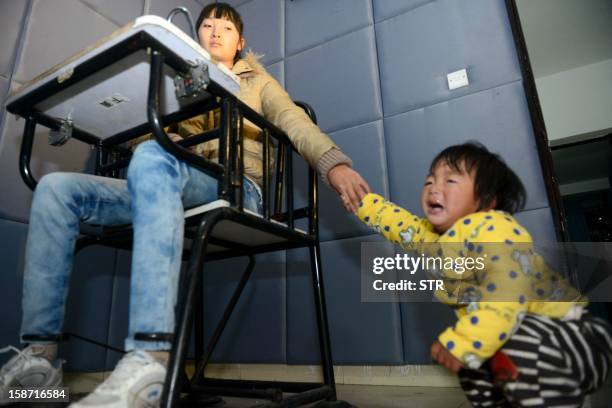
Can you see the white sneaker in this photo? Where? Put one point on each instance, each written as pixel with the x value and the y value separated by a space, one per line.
pixel 137 381
pixel 27 369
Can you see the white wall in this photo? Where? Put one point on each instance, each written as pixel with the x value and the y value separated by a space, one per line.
pixel 577 103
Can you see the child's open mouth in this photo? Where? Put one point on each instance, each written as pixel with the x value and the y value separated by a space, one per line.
pixel 434 207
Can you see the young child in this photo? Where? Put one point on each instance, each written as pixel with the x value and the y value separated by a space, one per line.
pixel 522 336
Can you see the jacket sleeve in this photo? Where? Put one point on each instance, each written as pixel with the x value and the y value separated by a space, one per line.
pixel 394 223
pixel 308 139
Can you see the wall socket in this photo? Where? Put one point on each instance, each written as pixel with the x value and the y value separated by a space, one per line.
pixel 457 79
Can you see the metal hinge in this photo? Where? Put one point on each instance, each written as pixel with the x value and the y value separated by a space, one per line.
pixel 61 136
pixel 192 84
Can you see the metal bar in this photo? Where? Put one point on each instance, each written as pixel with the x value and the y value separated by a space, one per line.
pixel 184 319
pixel 319 298
pixel 26 153
pixel 313 191
pixel 153 109
pixel 99 160
pixel 201 138
pixel 289 182
pixel 273 394
pixel 303 398
pixel 280 175
pixel 286 386
pixel 224 148
pixel 223 321
pixel 185 113
pixel 198 324
pixel 266 174
pixel 97 343
pixel 254 117
pixel 239 171
pixel 538 124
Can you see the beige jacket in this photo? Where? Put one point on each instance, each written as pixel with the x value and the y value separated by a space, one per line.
pixel 261 92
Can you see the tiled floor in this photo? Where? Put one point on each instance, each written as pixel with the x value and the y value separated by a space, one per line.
pixel 362 396
pixel 413 397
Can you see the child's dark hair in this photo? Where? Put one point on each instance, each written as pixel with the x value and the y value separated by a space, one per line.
pixel 222 10
pixel 494 181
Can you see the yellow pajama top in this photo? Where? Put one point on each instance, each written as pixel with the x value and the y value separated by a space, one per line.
pixel 489 303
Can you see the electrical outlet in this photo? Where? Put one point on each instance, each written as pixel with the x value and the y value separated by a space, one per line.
pixel 457 79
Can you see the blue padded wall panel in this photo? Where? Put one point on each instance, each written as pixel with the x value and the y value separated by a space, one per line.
pixel 88 307
pixel 539 223
pixel 364 144
pixel 269 42
pixel 422 323
pixel 73 156
pixel 11 23
pixel 419 48
pixel 4 86
pixel 341 97
pixel 119 12
pixel 12 248
pixel 497 117
pixel 119 307
pixel 361 332
pixel 256 331
pixel 234 3
pixel 51 22
pixel 389 8
pixel 277 70
pixel 314 22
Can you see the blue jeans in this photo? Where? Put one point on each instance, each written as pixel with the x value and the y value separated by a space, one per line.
pixel 157 189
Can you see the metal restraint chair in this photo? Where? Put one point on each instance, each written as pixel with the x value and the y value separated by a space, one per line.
pixel 217 230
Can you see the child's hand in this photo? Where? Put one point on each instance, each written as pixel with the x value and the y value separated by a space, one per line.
pixel 442 356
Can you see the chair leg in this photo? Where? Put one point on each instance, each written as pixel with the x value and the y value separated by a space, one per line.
pixel 319 299
pixel 185 311
pixel 198 375
pixel 198 324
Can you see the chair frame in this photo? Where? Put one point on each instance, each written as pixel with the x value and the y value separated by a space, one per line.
pixel 111 158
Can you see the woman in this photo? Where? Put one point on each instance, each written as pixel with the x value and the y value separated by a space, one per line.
pixel 157 189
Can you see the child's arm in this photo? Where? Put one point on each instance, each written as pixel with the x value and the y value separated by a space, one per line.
pixel 394 223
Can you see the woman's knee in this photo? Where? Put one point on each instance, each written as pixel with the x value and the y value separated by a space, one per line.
pixel 150 159
pixel 56 184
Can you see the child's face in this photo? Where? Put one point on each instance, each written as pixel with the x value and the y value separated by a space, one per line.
pixel 447 196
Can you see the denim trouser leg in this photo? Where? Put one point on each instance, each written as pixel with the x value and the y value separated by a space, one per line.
pixel 158 187
pixel 60 202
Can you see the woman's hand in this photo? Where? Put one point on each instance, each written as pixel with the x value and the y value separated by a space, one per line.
pixel 349 185
pixel 442 356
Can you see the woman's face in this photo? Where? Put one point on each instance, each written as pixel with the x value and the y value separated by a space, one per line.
pixel 221 39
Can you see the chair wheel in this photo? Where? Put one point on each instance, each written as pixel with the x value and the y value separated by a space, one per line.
pixel 334 404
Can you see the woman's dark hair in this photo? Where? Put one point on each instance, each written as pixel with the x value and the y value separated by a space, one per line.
pixel 493 179
pixel 222 10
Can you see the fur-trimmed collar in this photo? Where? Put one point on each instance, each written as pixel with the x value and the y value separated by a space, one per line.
pixel 248 66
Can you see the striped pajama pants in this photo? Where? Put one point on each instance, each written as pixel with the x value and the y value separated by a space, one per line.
pixel 559 363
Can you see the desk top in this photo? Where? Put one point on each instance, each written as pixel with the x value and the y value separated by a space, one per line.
pixel 105 102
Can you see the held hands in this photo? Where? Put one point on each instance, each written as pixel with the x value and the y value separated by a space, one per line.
pixel 349 185
pixel 442 356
